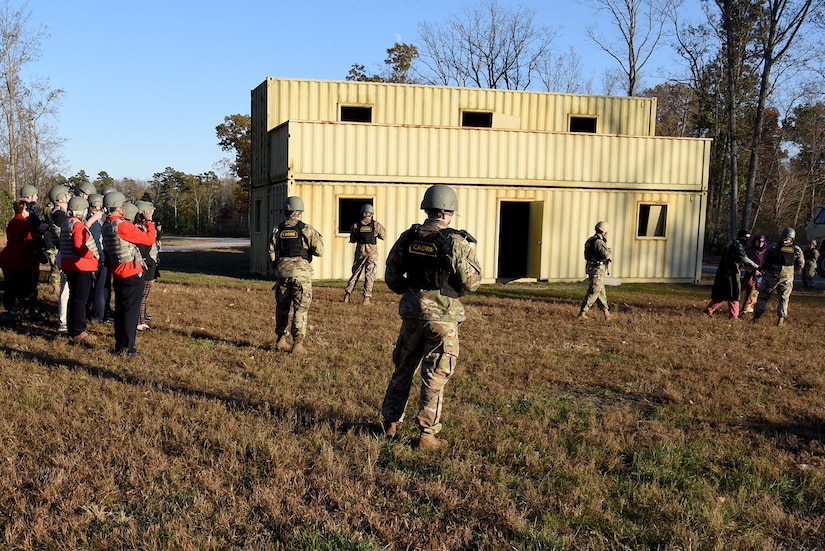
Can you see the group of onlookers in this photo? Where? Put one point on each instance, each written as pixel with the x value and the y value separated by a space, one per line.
pixel 97 244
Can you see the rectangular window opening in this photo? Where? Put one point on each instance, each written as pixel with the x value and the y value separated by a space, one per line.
pixel 356 113
pixel 477 119
pixel 652 221
pixel 820 218
pixel 583 124
pixel 349 211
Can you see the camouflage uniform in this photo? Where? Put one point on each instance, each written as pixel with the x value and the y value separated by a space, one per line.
pixel 598 256
pixel 365 234
pixel 430 319
pixel 293 290
pixel 778 266
pixel 809 271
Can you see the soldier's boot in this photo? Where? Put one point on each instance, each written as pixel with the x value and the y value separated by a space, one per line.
pixel 607 315
pixel 366 301
pixel 390 428
pixel 756 316
pixel 582 315
pixel 298 348
pixel 780 321
pixel 283 344
pixel 346 297
pixel 432 442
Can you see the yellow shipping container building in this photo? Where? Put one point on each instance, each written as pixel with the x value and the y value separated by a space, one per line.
pixel 534 172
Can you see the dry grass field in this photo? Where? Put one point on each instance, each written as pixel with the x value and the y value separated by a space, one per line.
pixel 662 429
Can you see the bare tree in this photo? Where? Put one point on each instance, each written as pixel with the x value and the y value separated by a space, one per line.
pixel 640 25
pixel 565 74
pixel 488 46
pixel 24 106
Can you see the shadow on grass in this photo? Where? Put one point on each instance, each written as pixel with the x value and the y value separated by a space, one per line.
pixel 303 416
pixel 232 262
pixel 806 430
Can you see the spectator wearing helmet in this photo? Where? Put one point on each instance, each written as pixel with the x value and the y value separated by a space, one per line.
pixel 98 299
pixel 781 260
pixel 59 196
pixel 809 270
pixel 18 259
pixel 150 259
pixel 431 265
pixel 365 233
pixel 120 240
pixel 78 260
pixel 84 189
pixel 726 283
pixel 598 256
pixel 292 245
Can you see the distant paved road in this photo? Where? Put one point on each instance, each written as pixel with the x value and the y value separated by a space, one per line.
pixel 195 243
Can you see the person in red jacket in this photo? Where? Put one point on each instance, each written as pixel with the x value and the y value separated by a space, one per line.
pixel 19 258
pixel 120 240
pixel 78 260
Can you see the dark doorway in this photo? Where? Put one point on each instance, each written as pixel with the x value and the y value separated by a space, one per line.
pixel 513 239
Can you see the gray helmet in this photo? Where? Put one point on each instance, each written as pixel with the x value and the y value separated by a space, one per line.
pixel 144 206
pixel 129 211
pixel 813 242
pixel 77 204
pixel 108 189
pixel 440 197
pixel 294 204
pixel 95 200
pixel 57 193
pixel 788 234
pixel 113 199
pixel 367 208
pixel 28 191
pixel 86 187
pixel 602 227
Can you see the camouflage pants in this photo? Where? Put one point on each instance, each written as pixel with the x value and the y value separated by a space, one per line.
pixel 292 295
pixel 54 269
pixel 808 273
pixel 434 346
pixel 595 294
pixel 364 264
pixel 783 285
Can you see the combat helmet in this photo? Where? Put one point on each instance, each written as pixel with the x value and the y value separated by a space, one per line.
pixel 28 191
pixel 294 204
pixel 788 234
pixel 113 199
pixel 77 204
pixel 57 193
pixel 108 189
pixel 86 187
pixel 367 208
pixel 95 200
pixel 602 227
pixel 144 206
pixel 130 210
pixel 440 197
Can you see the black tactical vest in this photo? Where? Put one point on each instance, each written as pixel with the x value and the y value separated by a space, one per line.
pixel 426 262
pixel 366 233
pixel 291 241
pixel 781 256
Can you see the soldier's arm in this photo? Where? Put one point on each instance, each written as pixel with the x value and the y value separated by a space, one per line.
pixel 466 264
pixel 394 275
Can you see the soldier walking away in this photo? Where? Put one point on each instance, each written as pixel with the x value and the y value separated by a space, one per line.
pixel 781 260
pixel 809 270
pixel 291 248
pixel 432 266
pixel 598 256
pixel 365 234
pixel 726 284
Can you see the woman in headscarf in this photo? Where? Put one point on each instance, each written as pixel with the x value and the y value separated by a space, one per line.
pixel 751 277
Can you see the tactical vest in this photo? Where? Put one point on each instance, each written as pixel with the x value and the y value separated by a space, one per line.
pixel 118 249
pixel 781 256
pixel 426 262
pixel 52 235
pixel 67 249
pixel 291 241
pixel 366 233
pixel 590 254
pixel 809 254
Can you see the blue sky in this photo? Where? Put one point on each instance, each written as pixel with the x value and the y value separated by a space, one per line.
pixel 147 82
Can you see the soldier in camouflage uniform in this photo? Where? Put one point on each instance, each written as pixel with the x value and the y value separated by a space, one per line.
pixel 778 266
pixel 598 256
pixel 431 265
pixel 291 248
pixel 809 271
pixel 365 233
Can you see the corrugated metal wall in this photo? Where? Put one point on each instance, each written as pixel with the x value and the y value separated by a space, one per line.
pixel 320 100
pixel 568 220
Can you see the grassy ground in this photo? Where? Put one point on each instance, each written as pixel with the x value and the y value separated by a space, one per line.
pixel 662 429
